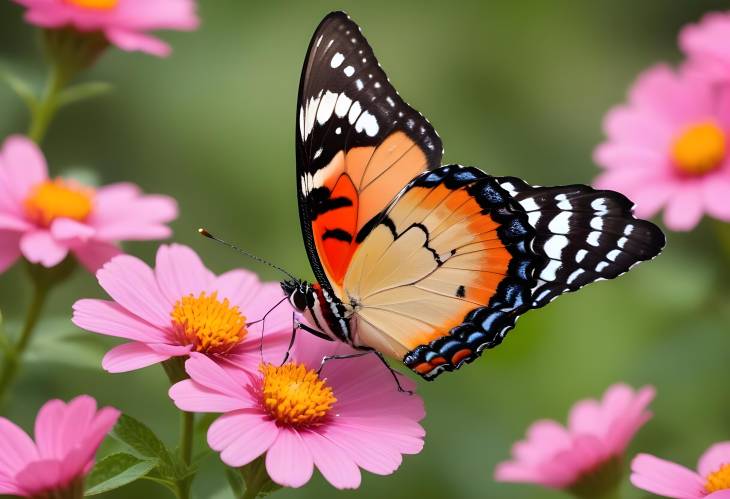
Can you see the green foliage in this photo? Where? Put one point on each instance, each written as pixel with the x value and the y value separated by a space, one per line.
pixel 117 470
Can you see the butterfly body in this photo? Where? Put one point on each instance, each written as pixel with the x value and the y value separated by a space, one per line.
pixel 429 264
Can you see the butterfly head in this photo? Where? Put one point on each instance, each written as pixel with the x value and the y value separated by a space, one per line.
pixel 299 292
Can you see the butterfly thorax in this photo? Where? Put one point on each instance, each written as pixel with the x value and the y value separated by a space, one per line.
pixel 322 310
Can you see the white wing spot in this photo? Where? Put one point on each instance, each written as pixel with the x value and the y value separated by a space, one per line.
pixel 349 71
pixel 572 277
pixel 593 238
pixel 597 223
pixel 390 101
pixel 599 205
pixel 601 266
pixel 628 230
pixel 368 123
pixel 337 60
pixel 343 105
pixel 580 255
pixel 613 254
pixel 359 84
pixel 326 106
pixel 338 130
pixel 560 224
pixel 548 273
pixel 554 246
pixel 318 153
pixel 528 204
pixel 354 112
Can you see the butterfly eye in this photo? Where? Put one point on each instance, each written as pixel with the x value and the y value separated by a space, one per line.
pixel 298 300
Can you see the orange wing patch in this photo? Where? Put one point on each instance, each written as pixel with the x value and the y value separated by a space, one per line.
pixel 359 185
pixel 436 256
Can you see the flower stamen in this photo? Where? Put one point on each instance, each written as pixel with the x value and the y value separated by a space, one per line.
pixel 58 198
pixel 718 480
pixel 94 4
pixel 699 148
pixel 210 325
pixel 294 395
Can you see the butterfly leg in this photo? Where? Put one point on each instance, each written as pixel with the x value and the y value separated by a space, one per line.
pixel 393 373
pixel 296 327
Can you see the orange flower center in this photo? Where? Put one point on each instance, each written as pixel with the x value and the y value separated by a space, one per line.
pixel 699 148
pixel 211 325
pixel 58 198
pixel 295 395
pixel 94 4
pixel 719 480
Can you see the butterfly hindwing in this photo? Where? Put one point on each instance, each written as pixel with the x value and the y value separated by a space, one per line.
pixel 358 144
pixel 459 255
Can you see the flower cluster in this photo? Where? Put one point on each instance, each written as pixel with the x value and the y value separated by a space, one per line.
pixel 669 145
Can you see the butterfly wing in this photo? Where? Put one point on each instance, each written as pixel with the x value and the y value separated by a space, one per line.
pixel 357 144
pixel 459 255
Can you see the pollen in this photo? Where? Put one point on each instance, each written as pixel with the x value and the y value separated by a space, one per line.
pixel 719 480
pixel 294 395
pixel 210 325
pixel 699 148
pixel 94 4
pixel 58 198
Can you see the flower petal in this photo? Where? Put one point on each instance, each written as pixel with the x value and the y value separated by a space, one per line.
pixel 180 272
pixel 242 436
pixel 132 284
pixel 40 476
pixel 40 247
pixel 194 397
pixel 9 249
pixel 210 375
pixel 22 166
pixel 94 254
pixel 71 231
pixel 110 318
pixel 131 356
pixel 716 193
pixel 684 209
pixel 333 462
pixel 714 458
pixel 18 448
pixel 132 41
pixel 289 461
pixel 665 478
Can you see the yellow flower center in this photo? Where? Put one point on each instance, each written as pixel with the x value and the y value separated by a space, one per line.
pixel 94 4
pixel 295 395
pixel 719 480
pixel 58 198
pixel 211 325
pixel 699 148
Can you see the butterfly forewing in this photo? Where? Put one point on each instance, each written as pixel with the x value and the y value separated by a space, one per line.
pixel 358 144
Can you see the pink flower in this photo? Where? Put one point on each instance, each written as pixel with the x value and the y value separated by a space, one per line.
pixel 667 479
pixel 125 23
pixel 43 219
pixel 707 44
pixel 180 307
pixel 597 435
pixel 351 416
pixel 66 439
pixel 669 148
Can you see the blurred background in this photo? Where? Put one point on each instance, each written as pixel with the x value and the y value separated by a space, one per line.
pixel 515 88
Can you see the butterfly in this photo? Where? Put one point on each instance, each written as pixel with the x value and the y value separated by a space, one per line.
pixel 424 263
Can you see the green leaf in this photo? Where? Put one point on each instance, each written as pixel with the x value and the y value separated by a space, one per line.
pixel 83 91
pixel 143 441
pixel 21 88
pixel 117 470
pixel 258 482
pixel 76 349
pixel 235 480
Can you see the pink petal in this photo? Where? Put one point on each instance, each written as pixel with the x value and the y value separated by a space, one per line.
pixel 720 494
pixel 40 476
pixel 247 355
pixel 289 461
pixel 375 455
pixel 242 437
pixel 163 14
pixel 132 41
pixel 651 196
pixel 180 272
pixel 18 448
pixel 94 254
pixel 12 222
pixel 47 434
pixel 194 397
pixel 714 458
pixel 40 247
pixel 665 478
pixel 684 209
pixel 132 284
pixel 716 195
pixel 239 286
pixel 333 462
pixel 9 249
pixel 211 376
pixel 22 166
pixel 585 417
pixel 517 472
pixel 131 356
pixel 67 230
pixel 10 488
pixel 638 128
pixel 110 318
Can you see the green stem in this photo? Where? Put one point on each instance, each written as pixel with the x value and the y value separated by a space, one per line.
pixel 175 370
pixel 47 106
pixel 722 229
pixel 14 354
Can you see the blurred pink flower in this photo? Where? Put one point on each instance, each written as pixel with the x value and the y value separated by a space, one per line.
pixel 668 147
pixel 667 479
pixel 707 44
pixel 43 219
pixel 66 439
pixel 180 307
pixel 351 416
pixel 125 23
pixel 598 433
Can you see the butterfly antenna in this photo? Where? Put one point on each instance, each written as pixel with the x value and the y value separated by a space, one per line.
pixel 207 234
